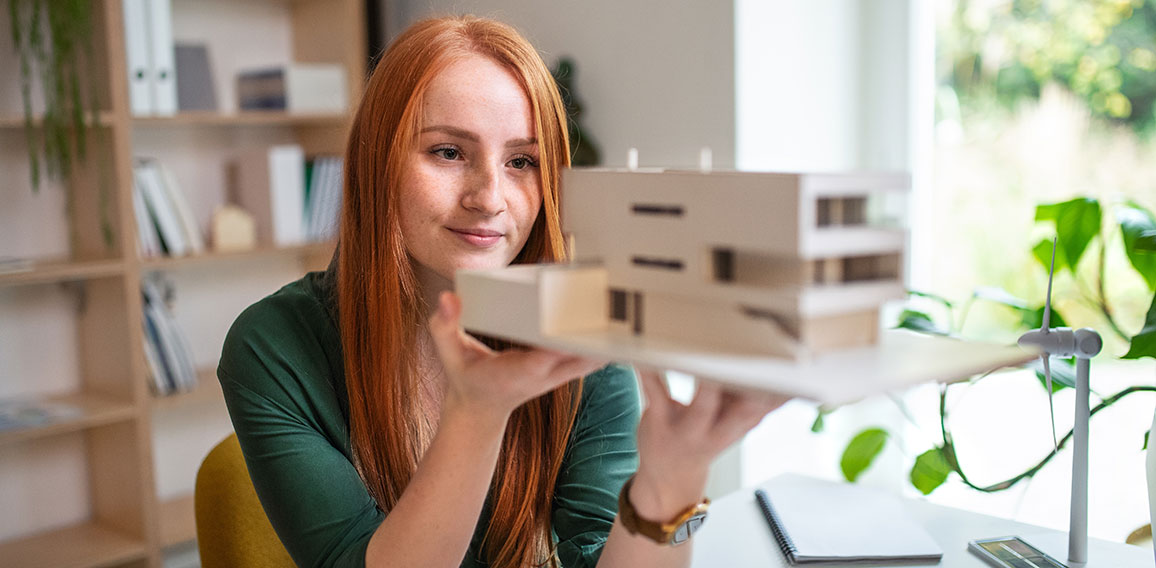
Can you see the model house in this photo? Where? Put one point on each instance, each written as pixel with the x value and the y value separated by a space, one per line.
pixel 763 280
pixel 782 265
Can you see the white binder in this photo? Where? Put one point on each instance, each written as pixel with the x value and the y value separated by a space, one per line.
pixel 136 47
pixel 162 61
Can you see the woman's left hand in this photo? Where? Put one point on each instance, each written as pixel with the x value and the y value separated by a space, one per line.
pixel 677 442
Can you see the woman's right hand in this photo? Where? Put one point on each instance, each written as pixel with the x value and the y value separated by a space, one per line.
pixel 481 380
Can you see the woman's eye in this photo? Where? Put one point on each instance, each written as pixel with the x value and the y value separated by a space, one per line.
pixel 448 153
pixel 522 162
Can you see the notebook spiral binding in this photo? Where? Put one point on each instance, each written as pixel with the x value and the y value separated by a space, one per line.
pixel 785 542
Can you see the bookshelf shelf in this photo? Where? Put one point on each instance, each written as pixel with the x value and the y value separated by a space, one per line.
pixel 87 545
pixel 308 251
pixel 16 121
pixel 61 270
pixel 93 411
pixel 249 118
pixel 178 521
pixel 208 390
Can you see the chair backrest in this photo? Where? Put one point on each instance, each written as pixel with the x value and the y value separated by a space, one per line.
pixel 232 529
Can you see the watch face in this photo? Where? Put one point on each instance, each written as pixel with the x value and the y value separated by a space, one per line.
pixel 685 530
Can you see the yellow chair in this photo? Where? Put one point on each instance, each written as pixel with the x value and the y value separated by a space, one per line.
pixel 232 529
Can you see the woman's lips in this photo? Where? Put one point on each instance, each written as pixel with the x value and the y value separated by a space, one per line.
pixel 478 237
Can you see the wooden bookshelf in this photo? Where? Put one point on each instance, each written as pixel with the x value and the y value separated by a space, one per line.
pixel 249 118
pixel 93 411
pixel 120 428
pixel 86 545
pixel 177 521
pixel 61 270
pixel 302 252
pixel 9 121
pixel 208 390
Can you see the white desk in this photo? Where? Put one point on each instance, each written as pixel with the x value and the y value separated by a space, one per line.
pixel 737 536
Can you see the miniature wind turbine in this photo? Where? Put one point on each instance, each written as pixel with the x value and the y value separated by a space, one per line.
pixel 1084 343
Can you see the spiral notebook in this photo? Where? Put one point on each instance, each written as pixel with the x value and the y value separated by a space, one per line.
pixel 820 522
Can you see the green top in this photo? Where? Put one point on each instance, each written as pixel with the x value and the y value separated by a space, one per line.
pixel 284 383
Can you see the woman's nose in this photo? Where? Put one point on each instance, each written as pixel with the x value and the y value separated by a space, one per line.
pixel 484 194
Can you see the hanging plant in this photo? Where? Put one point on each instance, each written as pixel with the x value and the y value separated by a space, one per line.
pixel 53 39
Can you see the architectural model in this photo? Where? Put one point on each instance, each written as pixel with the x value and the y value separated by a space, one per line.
pixel 770 281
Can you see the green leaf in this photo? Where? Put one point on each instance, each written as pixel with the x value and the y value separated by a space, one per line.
pixel 1043 253
pixel 1146 242
pixel 1139 230
pixel 947 303
pixel 920 322
pixel 1144 343
pixel 861 451
pixel 817 425
pixel 1077 222
pixel 1034 319
pixel 1146 440
pixel 930 471
pixel 1063 372
pixel 999 296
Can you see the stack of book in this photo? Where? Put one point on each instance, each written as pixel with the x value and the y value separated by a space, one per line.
pixel 322 198
pixel 165 223
pixel 167 352
pixel 293 200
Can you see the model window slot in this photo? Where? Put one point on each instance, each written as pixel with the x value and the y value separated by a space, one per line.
pixel 618 308
pixel 657 209
pixel 651 262
pixel 856 269
pixel 723 265
pixel 841 211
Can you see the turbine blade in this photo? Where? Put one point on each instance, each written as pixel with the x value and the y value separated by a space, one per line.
pixel 1047 323
pixel 1051 405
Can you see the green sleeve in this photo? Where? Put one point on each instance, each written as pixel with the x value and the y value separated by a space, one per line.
pixel 276 373
pixel 602 455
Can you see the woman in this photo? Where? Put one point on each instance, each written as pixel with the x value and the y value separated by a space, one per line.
pixel 375 430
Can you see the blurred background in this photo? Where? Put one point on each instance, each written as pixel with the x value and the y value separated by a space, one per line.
pixel 995 107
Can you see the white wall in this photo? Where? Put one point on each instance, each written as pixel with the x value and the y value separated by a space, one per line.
pixel 657 75
pixel 822 85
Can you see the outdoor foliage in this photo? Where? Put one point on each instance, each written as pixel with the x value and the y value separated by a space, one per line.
pixel 1104 51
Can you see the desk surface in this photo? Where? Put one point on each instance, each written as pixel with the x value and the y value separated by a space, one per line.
pixel 737 536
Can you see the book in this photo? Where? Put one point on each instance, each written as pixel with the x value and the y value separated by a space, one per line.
pixel 161 209
pixel 17 414
pixel 293 88
pixel 270 185
pixel 820 522
pixel 196 90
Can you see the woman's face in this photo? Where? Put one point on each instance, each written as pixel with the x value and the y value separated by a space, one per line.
pixel 471 191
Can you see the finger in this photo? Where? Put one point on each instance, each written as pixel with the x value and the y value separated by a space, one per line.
pixel 573 367
pixel 703 411
pixel 446 335
pixel 658 401
pixel 739 415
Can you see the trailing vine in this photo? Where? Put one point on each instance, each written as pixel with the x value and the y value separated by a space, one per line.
pixel 53 39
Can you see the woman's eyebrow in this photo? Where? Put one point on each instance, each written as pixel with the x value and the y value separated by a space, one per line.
pixel 467 135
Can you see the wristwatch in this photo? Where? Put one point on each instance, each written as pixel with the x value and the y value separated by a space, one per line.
pixel 675 532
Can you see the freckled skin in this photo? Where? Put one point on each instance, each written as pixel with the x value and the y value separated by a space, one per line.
pixel 471 190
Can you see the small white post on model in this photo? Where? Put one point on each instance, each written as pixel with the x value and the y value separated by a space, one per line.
pixel 705 160
pixel 632 159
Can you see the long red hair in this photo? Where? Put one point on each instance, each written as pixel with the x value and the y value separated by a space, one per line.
pixel 381 307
